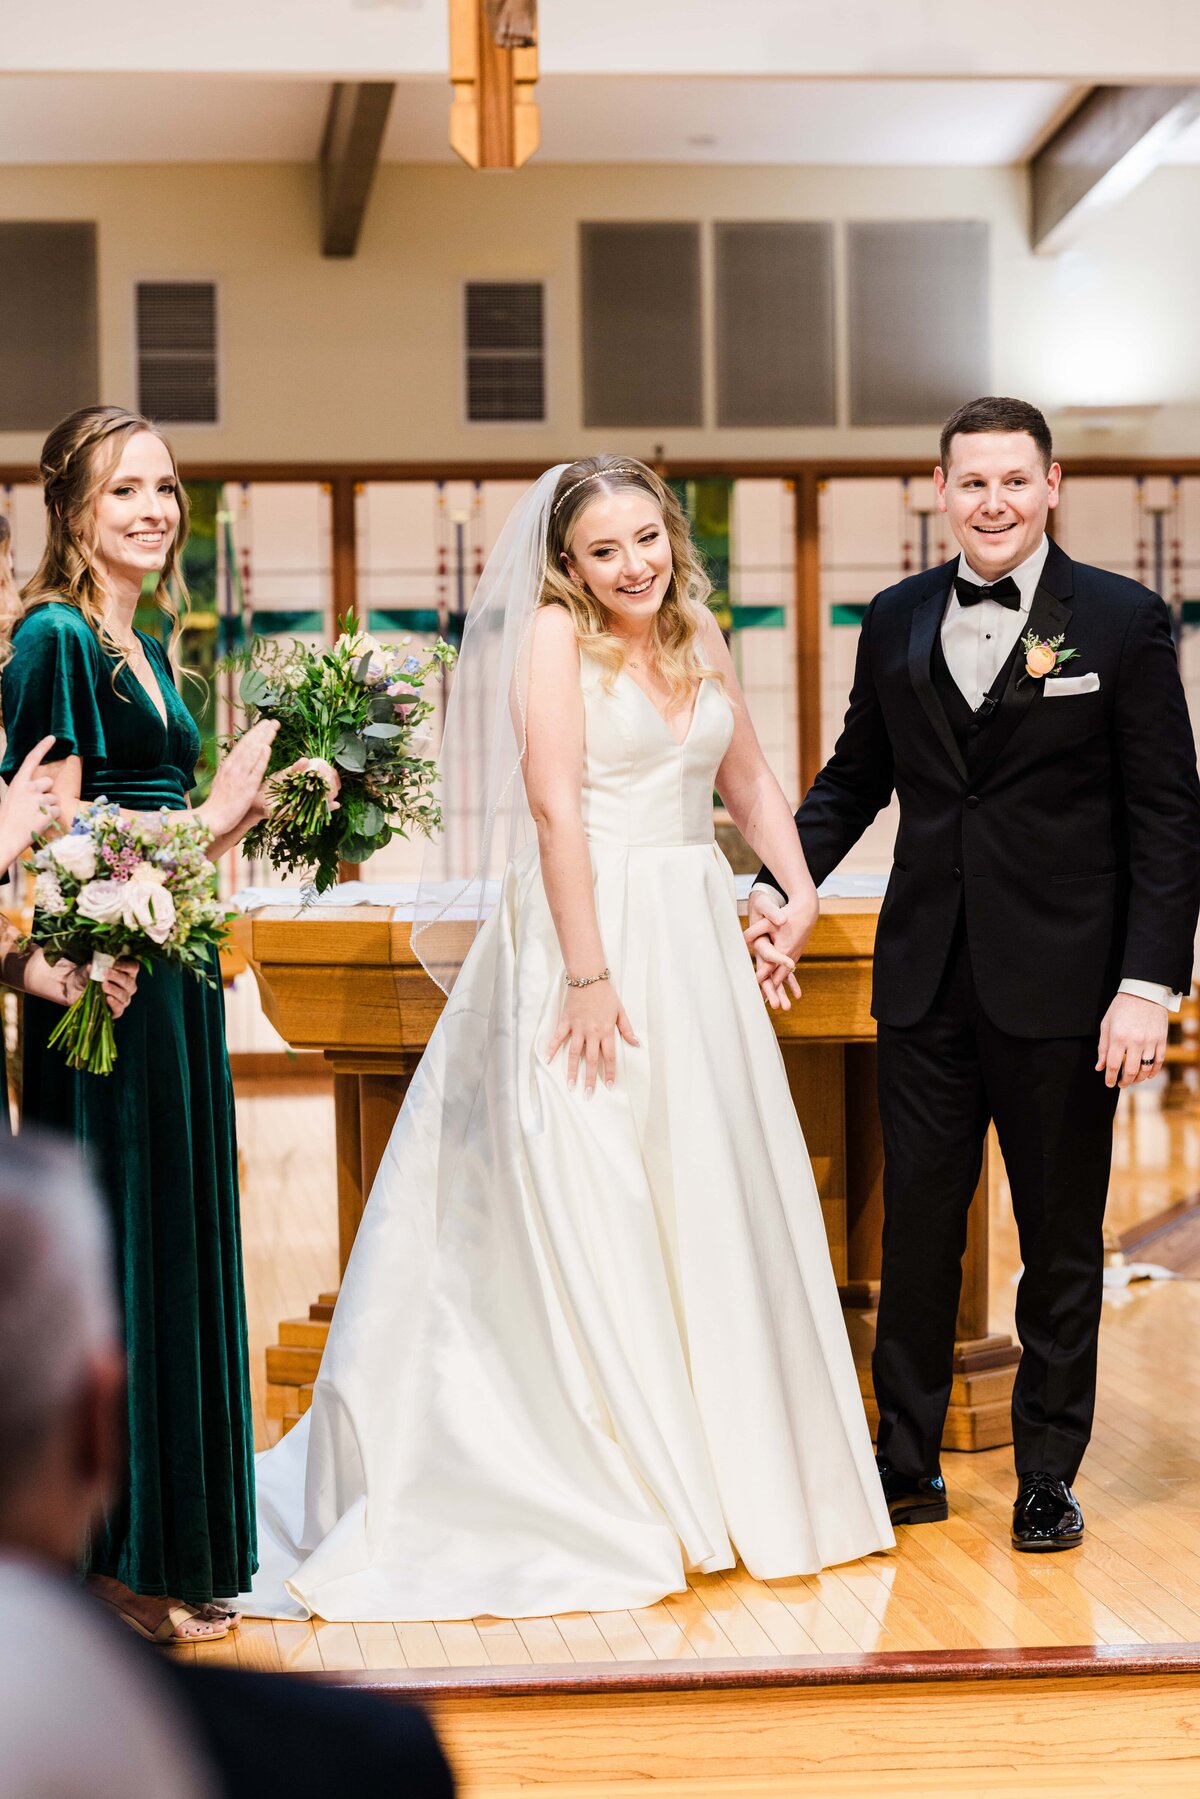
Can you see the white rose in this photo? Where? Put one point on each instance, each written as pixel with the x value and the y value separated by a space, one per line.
pixel 47 894
pixel 146 871
pixel 102 901
pixel 361 643
pixel 76 856
pixel 148 907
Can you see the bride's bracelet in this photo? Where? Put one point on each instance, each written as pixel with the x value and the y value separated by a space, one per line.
pixel 587 980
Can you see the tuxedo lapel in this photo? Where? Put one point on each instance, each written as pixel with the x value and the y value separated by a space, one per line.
pixel 926 622
pixel 1049 616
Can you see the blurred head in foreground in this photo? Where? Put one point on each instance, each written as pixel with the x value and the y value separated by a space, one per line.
pixel 61 1363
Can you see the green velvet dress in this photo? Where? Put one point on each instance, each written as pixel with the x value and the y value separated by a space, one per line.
pixel 161 1131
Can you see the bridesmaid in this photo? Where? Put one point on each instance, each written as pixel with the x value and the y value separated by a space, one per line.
pixel 161 1126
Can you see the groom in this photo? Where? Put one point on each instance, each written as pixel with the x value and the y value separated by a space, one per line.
pixel 1036 933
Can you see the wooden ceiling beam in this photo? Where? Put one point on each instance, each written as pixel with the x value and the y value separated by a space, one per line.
pixel 1110 143
pixel 350 150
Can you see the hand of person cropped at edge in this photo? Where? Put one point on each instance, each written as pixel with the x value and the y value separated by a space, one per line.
pixel 1133 1040
pixel 29 806
pixel 591 1020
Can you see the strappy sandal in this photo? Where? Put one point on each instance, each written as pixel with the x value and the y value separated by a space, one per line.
pixel 213 1612
pixel 173 1627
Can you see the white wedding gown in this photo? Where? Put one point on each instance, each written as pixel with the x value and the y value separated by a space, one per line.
pixel 583 1346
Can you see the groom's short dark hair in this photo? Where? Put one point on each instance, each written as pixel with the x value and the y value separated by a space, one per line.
pixel 994 412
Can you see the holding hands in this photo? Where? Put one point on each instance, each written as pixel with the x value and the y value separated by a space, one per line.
pixel 777 935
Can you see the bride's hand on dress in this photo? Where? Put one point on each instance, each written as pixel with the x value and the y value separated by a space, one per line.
pixel 591 1018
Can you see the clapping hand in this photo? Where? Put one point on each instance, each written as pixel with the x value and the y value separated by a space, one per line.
pixel 236 795
pixel 29 806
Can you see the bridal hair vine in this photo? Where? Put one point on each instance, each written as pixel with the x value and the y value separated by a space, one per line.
pixel 596 475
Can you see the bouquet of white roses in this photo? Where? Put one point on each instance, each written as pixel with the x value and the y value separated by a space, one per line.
pixel 140 888
pixel 348 764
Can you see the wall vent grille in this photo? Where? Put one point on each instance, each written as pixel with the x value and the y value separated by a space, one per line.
pixel 506 352
pixel 177 351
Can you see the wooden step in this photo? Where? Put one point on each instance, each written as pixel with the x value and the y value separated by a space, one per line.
pixel 992 1386
pixel 673 1723
pixel 319 1310
pixel 303 1333
pixel 290 1365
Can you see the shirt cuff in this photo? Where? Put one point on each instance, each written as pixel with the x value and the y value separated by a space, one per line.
pixel 769 893
pixel 1162 996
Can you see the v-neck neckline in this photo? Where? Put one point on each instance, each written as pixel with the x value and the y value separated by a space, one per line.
pixel 679 742
pixel 162 715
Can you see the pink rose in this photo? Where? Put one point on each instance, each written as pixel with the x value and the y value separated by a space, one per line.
pixel 1040 660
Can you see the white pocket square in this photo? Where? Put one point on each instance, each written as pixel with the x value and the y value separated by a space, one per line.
pixel 1065 685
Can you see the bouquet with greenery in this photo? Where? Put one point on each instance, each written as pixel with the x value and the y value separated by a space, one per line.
pixel 347 768
pixel 117 887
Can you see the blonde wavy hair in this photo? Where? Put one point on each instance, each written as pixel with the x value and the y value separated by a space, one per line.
pixel 678 622
pixel 78 457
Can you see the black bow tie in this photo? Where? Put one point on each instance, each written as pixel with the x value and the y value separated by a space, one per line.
pixel 1005 590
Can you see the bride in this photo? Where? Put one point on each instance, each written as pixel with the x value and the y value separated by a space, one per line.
pixel 589 1337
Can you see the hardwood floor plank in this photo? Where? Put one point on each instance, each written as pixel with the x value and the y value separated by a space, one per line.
pixel 463 1644
pixel 422 1646
pixel 338 1646
pixel 544 1640
pixel 581 1634
pixel 380 1646
pixel 620 1631
pixel 297 1645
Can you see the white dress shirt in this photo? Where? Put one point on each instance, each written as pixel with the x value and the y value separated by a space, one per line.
pixel 976 642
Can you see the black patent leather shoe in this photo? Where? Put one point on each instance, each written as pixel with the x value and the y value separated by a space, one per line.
pixel 912 1501
pixel 1046 1515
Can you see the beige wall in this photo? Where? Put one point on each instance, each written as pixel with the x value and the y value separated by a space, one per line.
pixel 361 359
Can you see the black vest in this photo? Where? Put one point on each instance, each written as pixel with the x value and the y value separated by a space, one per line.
pixel 969 727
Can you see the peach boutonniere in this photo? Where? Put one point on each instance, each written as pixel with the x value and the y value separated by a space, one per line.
pixel 1044 656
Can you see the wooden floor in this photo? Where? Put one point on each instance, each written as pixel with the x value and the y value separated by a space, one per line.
pixel 951 1586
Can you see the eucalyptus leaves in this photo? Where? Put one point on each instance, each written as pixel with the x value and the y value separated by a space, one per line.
pixel 347 769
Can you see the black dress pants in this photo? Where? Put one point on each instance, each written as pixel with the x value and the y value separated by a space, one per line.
pixel 940 1081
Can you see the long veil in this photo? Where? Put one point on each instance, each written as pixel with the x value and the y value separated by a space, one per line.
pixel 486 818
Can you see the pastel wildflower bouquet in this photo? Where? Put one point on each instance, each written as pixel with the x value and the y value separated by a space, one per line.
pixel 114 887
pixel 348 769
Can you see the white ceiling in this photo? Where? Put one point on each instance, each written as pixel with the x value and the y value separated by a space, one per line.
pixel 585 118
pixel 1066 40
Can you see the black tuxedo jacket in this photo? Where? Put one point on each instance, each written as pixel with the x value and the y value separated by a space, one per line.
pixel 1072 844
pixel 283 1733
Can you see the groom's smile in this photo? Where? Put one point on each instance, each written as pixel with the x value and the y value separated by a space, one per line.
pixel 997 493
